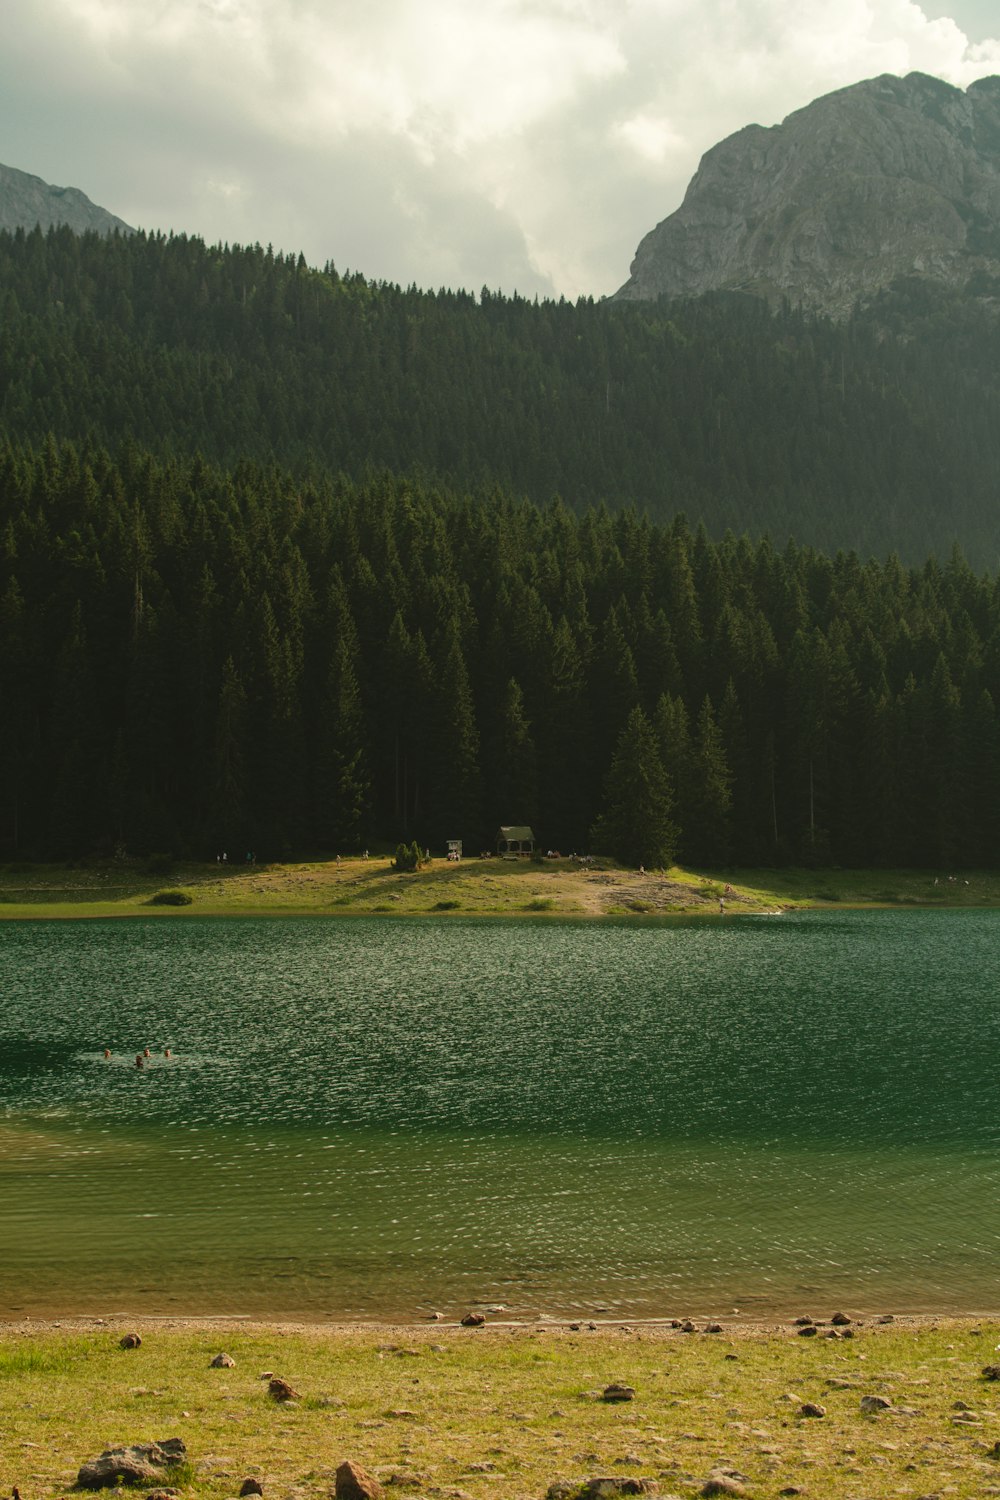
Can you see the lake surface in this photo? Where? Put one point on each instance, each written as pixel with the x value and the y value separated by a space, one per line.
pixel 382 1117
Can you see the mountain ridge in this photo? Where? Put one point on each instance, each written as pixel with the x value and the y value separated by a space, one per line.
pixel 887 178
pixel 27 201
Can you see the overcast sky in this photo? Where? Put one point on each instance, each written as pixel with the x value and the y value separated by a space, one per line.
pixel 519 144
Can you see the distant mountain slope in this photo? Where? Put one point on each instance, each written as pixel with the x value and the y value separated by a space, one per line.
pixel 877 434
pixel 26 201
pixel 893 177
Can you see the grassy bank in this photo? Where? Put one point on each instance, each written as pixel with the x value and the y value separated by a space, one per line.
pixel 470 1414
pixel 475 887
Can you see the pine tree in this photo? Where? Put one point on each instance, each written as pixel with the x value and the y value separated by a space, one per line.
pixel 637 824
pixel 343 793
pixel 708 837
pixel 514 798
pixel 231 820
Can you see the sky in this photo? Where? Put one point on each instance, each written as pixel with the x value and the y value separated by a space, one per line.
pixel 520 145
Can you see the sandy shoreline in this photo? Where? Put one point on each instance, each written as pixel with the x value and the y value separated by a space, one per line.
pixel 672 1328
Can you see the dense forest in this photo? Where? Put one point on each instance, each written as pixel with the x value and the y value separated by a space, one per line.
pixel 196 657
pixel 878 435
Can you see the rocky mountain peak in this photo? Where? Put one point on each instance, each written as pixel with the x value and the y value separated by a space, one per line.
pixel 26 201
pixel 888 178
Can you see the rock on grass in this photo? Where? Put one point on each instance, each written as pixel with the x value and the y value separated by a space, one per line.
pixel 140 1463
pixel 355 1483
pixel 281 1390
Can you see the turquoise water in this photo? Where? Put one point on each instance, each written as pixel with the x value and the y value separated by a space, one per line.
pixel 373 1118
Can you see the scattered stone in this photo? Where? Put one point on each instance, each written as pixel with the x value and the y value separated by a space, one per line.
pixel 731 1356
pixel 473 1320
pixel 991 1372
pixel 847 1333
pixel 714 1328
pixel 435 1317
pixel 993 1452
pixel 223 1362
pixel 808 1331
pixel 967 1419
pixel 886 1318
pixel 618 1392
pixel 142 1463
pixel 355 1483
pixel 725 1482
pixel 280 1390
pixel 812 1409
pixel 251 1487
pixel 831 1333
pixel 840 1320
pixel 165 1493
pixel 960 1406
pixel 687 1327
pixel 875 1403
pixel 790 1489
pixel 130 1341
pixel 803 1322
pixel 603 1488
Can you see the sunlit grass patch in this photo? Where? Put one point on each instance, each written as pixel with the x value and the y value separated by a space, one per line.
pixel 510 1410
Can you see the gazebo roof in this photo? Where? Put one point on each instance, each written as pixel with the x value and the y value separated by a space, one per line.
pixel 517 833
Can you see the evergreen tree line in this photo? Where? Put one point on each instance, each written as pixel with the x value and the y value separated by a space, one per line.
pixel 195 658
pixel 880 434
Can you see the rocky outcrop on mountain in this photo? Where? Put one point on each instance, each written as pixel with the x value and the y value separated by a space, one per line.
pixel 891 178
pixel 26 201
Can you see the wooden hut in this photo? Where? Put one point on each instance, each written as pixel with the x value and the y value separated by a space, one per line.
pixel 516 841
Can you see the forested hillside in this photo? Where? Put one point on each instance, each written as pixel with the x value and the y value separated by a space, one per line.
pixel 879 435
pixel 195 658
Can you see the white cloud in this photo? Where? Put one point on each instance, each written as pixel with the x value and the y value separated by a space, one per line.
pixel 525 143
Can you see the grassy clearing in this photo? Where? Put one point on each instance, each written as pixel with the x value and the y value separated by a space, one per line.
pixel 458 1413
pixel 473 888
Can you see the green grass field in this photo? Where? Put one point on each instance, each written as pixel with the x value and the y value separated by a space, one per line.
pixel 440 1411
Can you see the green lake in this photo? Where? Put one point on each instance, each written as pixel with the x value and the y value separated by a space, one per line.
pixel 377 1118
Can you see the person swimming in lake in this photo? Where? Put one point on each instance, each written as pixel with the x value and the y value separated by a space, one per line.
pixel 138 1060
pixel 166 1051
pixel 107 1052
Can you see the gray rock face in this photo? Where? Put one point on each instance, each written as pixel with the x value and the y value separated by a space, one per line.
pixel 891 177
pixel 26 201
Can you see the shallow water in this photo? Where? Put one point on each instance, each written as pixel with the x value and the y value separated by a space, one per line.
pixel 372 1118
